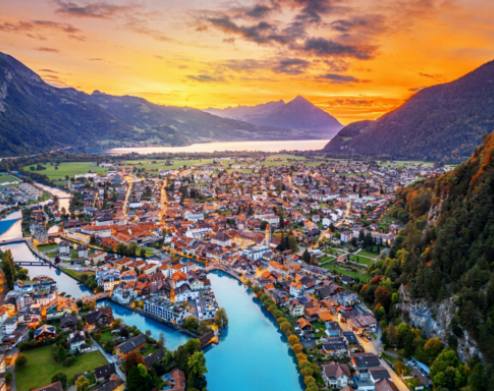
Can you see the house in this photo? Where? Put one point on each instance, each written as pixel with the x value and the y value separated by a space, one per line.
pixel 350 337
pixel 336 375
pixel 385 385
pixel 378 373
pixel 333 329
pixel 176 380
pixel 335 347
pixel 45 332
pixel 100 317
pixel 57 386
pixel 131 345
pixel 112 385
pixel 362 362
pixel 68 321
pixel 9 326
pixel 103 373
pixel 296 289
pixel 76 341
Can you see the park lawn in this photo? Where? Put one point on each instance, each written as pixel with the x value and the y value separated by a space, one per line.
pixel 339 269
pixel 7 178
pixel 45 248
pixel 368 254
pixel 64 169
pixel 76 274
pixel 41 367
pixel 362 260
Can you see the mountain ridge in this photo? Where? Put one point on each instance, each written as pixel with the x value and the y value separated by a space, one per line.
pixel 444 122
pixel 36 117
pixel 297 113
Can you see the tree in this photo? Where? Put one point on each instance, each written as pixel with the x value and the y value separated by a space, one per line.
pixel 21 361
pixel 139 378
pixel 191 323
pixel 196 369
pixel 306 256
pixel 221 318
pixel 61 377
pixel 82 383
pixel 8 268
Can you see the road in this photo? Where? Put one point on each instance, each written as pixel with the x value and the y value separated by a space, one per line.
pixel 111 359
pixel 374 346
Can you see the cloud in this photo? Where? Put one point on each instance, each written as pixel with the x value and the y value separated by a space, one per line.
pixel 46 49
pixel 206 78
pixel 286 65
pixel 327 47
pixel 140 26
pixel 293 28
pixel 30 28
pixel 96 9
pixel 434 76
pixel 291 66
pixel 259 32
pixel 340 79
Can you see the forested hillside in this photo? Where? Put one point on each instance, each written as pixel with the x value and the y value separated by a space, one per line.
pixel 444 257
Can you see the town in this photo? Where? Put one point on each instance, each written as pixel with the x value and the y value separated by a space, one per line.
pixel 299 232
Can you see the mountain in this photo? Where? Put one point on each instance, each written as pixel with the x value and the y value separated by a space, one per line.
pixel 443 259
pixel 440 123
pixel 36 116
pixel 298 114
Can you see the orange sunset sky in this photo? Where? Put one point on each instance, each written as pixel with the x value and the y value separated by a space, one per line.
pixel 355 59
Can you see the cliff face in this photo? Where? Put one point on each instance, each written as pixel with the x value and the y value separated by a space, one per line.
pixel 446 253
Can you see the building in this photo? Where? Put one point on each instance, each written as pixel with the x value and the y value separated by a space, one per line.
pixel 161 308
pixel 336 375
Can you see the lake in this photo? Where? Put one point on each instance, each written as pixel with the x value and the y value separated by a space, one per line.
pixel 231 146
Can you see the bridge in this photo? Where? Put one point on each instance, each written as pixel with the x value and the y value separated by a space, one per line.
pixel 7 242
pixel 32 263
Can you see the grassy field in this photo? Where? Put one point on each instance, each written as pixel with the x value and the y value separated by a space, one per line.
pixel 156 165
pixel 404 163
pixel 76 274
pixel 344 271
pixel 58 173
pixel 7 178
pixel 41 367
pixel 281 160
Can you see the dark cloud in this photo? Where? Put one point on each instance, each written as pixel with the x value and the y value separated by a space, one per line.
pixel 30 27
pixel 287 65
pixel 48 70
pixel 348 38
pixel 360 22
pixel 340 79
pixel 96 9
pixel 434 76
pixel 260 32
pixel 206 78
pixel 46 49
pixel 258 11
pixel 328 47
pixel 291 66
pixel 336 64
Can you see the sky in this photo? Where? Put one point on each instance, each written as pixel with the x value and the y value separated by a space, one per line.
pixel 356 59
